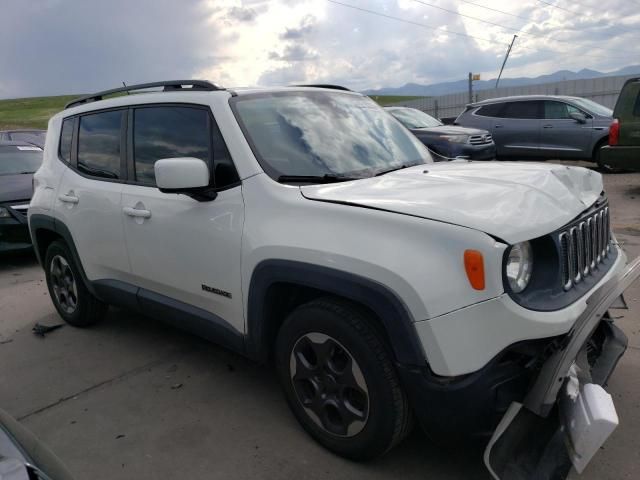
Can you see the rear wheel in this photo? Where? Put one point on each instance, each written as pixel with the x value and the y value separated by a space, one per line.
pixel 339 379
pixel 75 304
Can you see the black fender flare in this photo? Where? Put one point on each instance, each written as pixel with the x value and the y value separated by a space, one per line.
pixel 387 305
pixel 39 222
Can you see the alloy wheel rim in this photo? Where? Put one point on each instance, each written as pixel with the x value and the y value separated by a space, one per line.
pixel 64 284
pixel 329 384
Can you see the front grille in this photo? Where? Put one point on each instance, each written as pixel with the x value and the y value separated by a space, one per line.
pixel 584 246
pixel 480 139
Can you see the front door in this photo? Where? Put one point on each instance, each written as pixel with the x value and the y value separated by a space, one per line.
pixel 183 249
pixel 562 136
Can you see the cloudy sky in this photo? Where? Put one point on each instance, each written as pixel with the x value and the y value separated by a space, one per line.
pixel 52 47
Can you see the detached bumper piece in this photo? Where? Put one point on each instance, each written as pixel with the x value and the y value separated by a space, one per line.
pixel 567 415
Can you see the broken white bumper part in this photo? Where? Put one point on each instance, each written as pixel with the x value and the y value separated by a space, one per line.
pixel 567 415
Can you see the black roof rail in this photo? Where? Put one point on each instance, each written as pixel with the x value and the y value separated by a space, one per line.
pixel 169 85
pixel 324 85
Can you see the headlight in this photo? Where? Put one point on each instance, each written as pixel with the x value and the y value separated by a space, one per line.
pixel 455 138
pixel 4 213
pixel 519 266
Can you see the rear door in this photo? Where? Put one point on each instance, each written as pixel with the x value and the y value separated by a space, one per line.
pixel 180 248
pixel 88 197
pixel 561 136
pixel 627 112
pixel 517 132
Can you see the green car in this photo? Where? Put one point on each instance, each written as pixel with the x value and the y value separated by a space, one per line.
pixel 623 151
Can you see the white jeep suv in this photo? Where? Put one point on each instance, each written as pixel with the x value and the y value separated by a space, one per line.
pixel 308 226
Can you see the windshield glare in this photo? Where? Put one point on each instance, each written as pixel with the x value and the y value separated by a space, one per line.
pixel 14 161
pixel 593 107
pixel 412 118
pixel 325 133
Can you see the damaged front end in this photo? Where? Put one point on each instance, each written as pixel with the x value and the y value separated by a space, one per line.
pixel 566 416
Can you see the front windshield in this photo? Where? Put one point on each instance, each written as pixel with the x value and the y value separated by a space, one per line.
pixel 325 133
pixel 412 118
pixel 593 107
pixel 14 161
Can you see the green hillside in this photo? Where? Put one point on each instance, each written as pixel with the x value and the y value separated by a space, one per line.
pixel 30 112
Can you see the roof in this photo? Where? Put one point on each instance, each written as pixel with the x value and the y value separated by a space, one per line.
pixel 13 143
pixel 95 101
pixel 524 97
pixel 24 130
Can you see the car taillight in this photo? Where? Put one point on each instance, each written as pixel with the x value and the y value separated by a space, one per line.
pixel 614 132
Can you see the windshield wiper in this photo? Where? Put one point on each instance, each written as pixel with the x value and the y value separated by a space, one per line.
pixel 326 178
pixel 400 167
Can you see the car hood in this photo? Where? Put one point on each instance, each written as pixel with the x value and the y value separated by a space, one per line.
pixel 15 187
pixel 450 130
pixel 509 200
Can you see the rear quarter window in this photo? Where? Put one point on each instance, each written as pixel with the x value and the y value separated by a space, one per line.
pixel 66 134
pixel 636 107
pixel 493 110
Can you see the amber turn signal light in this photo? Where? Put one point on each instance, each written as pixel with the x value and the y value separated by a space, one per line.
pixel 474 266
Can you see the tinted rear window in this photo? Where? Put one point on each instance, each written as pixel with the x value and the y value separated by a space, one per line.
pixel 636 108
pixel 523 110
pixel 99 144
pixel 493 110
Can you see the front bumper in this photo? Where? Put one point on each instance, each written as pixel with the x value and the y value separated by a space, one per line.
pixel 534 439
pixel 14 232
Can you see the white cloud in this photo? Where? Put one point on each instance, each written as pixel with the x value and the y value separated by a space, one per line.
pixel 75 46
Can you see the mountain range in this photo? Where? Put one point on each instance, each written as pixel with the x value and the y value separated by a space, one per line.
pixel 462 85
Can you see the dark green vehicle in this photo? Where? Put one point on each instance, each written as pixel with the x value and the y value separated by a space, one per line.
pixel 623 151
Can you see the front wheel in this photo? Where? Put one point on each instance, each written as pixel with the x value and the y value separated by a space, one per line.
pixel 339 379
pixel 75 304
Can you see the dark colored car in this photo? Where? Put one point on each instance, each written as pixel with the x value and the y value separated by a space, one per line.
pixel 35 137
pixel 446 140
pixel 18 163
pixel 623 151
pixel 24 457
pixel 542 127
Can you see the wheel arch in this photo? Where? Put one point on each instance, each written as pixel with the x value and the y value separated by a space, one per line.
pixel 599 144
pixel 279 286
pixel 46 229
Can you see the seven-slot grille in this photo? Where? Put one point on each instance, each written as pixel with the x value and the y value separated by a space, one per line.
pixel 480 139
pixel 584 246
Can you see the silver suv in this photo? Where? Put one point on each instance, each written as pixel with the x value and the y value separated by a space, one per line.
pixel 542 126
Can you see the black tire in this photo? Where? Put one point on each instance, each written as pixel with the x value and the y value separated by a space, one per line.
pixel 75 304
pixel 385 417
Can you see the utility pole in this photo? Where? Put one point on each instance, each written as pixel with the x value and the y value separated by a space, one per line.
pixel 505 59
pixel 470 87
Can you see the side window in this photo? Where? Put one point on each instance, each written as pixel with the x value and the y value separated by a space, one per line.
pixel 636 107
pixel 522 110
pixel 225 171
pixel 493 110
pixel 167 132
pixel 66 133
pixel 99 144
pixel 555 110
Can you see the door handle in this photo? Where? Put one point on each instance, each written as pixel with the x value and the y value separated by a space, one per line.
pixel 497 126
pixel 136 212
pixel 69 199
pixel 547 126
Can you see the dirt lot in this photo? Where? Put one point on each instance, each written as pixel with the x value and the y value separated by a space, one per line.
pixel 131 398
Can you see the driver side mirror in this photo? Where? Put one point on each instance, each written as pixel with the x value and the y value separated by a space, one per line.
pixel 186 175
pixel 578 117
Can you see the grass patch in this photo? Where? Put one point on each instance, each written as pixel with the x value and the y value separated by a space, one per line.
pixel 31 112
pixel 389 99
